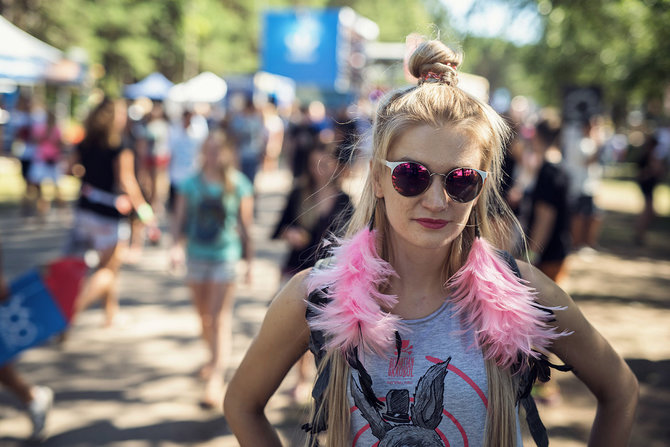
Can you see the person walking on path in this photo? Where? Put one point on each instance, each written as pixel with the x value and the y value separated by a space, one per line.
pixel 21 124
pixel 46 163
pixel 247 128
pixel 213 216
pixel 186 137
pixel 109 190
pixel 37 399
pixel 316 209
pixel 417 315
pixel 652 166
pixel 582 159
pixel 548 226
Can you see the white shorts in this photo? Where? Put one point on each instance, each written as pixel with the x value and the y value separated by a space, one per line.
pixel 200 270
pixel 92 230
pixel 41 170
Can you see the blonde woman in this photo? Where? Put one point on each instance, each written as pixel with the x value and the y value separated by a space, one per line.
pixel 423 332
pixel 212 218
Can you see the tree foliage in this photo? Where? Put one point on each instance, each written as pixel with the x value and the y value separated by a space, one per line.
pixel 618 45
pixel 180 38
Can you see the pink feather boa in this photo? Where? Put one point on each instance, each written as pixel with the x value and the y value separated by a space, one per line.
pixel 490 299
pixel 500 308
pixel 354 315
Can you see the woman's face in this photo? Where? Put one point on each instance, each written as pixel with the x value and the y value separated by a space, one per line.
pixel 215 152
pixel 431 220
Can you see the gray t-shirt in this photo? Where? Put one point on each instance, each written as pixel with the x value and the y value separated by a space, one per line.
pixel 434 395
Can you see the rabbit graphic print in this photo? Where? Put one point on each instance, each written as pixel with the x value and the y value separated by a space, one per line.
pixel 433 394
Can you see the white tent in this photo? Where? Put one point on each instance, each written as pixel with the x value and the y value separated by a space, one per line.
pixel 24 58
pixel 205 87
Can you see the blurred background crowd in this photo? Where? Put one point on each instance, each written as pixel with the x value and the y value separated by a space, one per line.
pixel 294 86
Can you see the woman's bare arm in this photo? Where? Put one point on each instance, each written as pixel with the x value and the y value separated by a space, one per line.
pixel 283 338
pixel 594 362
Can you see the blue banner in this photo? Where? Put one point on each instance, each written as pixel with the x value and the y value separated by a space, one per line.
pixel 28 317
pixel 302 45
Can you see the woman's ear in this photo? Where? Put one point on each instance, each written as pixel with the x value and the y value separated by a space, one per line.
pixel 376 182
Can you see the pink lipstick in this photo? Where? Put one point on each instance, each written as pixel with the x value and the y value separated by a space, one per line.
pixel 433 224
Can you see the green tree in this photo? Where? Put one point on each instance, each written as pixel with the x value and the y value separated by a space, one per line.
pixel 619 45
pixel 180 38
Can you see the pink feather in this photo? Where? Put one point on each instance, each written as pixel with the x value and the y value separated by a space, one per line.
pixel 354 316
pixel 500 308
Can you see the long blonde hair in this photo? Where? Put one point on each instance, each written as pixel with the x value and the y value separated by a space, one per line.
pixel 436 104
pixel 225 162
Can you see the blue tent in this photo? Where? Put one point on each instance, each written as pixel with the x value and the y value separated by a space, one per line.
pixel 155 86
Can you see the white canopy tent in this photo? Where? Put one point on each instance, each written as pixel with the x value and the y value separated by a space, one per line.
pixel 205 87
pixel 24 59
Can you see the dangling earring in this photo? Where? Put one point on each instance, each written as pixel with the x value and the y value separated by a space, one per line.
pixel 498 306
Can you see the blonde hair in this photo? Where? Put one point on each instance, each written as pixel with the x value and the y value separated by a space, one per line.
pixel 225 166
pixel 435 102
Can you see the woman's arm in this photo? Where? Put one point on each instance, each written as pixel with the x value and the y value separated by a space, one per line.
pixel 594 362
pixel 282 339
pixel 127 179
pixel 129 185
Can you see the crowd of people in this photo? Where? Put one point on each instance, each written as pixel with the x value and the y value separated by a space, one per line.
pixel 142 171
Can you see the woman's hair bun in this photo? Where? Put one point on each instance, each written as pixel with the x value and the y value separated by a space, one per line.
pixel 433 61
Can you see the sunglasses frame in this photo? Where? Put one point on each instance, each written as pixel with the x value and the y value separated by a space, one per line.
pixel 394 164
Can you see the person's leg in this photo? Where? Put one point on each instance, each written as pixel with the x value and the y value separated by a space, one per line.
pixel 42 205
pixel 593 226
pixel 102 284
pixel 37 399
pixel 593 222
pixel 577 231
pixel 13 381
pixel 221 299
pixel 199 293
pixel 644 219
pixel 58 197
pixel 111 294
pixel 136 243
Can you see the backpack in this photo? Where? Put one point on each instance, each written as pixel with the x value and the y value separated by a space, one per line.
pixel 539 370
pixel 209 216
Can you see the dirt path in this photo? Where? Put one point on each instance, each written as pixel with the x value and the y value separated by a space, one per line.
pixel 624 290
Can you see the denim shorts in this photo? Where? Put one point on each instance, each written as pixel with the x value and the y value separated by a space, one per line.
pixel 202 270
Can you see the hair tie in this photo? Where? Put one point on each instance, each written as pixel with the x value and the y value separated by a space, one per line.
pixel 432 77
pixel 440 78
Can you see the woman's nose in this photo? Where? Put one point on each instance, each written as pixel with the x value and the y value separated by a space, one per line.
pixel 435 197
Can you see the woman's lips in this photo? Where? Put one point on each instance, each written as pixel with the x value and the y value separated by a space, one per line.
pixel 433 224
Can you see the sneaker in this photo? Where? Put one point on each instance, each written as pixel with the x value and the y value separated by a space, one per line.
pixel 38 410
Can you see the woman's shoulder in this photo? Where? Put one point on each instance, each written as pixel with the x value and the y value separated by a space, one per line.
pixel 242 183
pixel 295 292
pixel 548 293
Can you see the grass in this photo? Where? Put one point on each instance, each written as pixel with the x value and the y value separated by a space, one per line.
pixel 12 186
pixel 625 196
